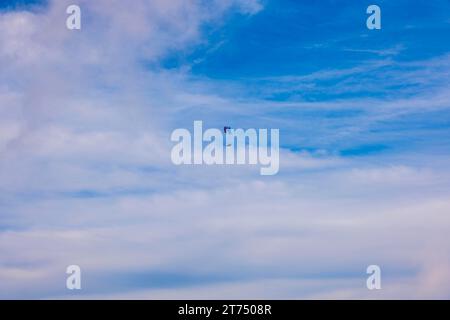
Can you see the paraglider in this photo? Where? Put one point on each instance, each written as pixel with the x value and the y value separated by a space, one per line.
pixel 225 131
pixel 240 147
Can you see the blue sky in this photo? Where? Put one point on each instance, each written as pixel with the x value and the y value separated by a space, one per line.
pixel 85 170
pixel 20 4
pixel 293 38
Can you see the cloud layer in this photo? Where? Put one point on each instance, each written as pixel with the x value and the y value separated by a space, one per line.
pixel 86 177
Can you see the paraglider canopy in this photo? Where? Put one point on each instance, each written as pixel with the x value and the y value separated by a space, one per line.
pixel 225 130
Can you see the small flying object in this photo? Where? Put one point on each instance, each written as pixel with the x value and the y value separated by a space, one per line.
pixel 226 130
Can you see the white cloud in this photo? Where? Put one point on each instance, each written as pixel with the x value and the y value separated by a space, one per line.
pixel 249 231
pixel 81 115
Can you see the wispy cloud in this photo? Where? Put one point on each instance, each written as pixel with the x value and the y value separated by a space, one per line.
pixel 86 177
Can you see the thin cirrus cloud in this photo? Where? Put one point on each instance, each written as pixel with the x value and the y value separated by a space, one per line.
pixel 86 177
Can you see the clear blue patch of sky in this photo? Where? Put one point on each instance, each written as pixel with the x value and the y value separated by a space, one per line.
pixel 298 37
pixel 291 38
pixel 20 4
